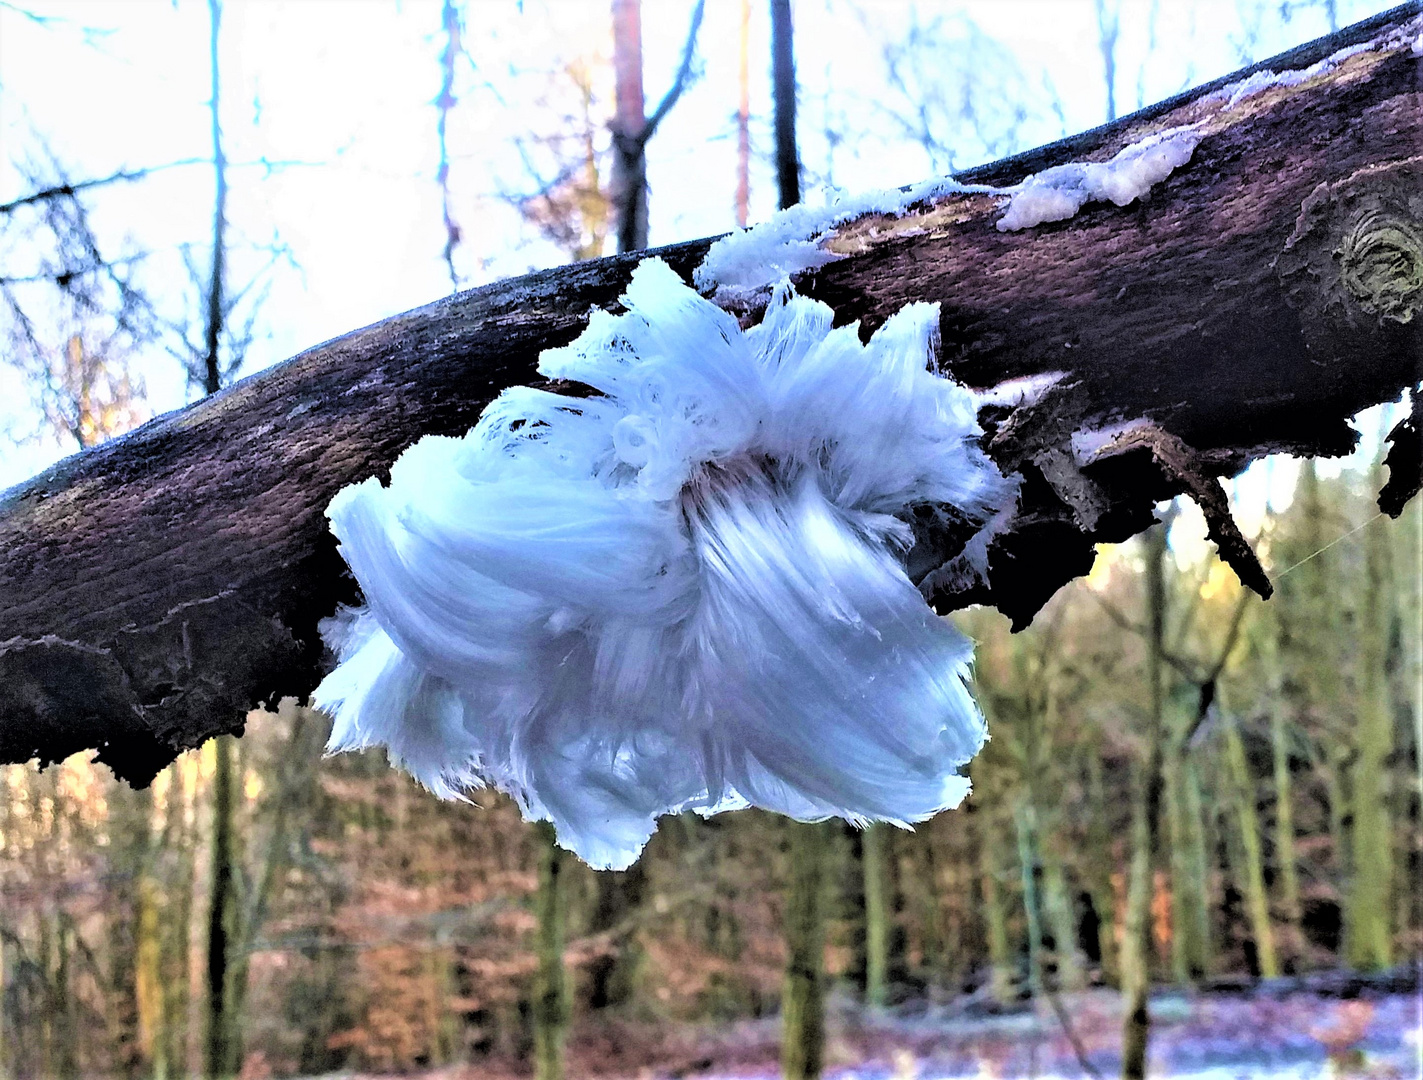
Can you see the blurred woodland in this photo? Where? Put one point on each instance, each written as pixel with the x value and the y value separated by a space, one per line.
pixel 1233 782
pixel 377 929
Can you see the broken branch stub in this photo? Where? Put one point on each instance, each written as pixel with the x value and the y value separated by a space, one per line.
pixel 1184 467
pixel 1246 301
pixel 1404 461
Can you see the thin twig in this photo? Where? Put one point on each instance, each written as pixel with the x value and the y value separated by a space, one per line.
pixel 71 188
pixel 1116 614
pixel 1072 1037
pixel 679 83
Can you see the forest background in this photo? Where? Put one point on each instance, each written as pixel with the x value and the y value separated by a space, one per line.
pixel 222 185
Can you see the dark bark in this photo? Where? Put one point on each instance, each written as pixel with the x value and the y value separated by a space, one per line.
pixel 154 588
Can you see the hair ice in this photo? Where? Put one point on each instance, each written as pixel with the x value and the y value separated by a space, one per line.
pixel 686 593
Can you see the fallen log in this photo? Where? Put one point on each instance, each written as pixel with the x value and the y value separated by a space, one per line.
pixel 1257 290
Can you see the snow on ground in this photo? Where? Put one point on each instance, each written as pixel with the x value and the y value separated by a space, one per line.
pixel 1262 1034
pixel 1194 1037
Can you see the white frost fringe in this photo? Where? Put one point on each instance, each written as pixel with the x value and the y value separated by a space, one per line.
pixel 684 594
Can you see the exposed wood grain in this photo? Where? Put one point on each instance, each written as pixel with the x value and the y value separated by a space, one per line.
pixel 153 589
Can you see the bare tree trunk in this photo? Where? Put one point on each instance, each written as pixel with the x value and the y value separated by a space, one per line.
pixel 1189 910
pixel 1412 917
pixel 223 1058
pixel 1000 960
pixel 803 1002
pixel 872 865
pixel 943 892
pixel 125 855
pixel 1198 867
pixel 239 904
pixel 1146 801
pixel 632 128
pixel 133 980
pixel 1285 857
pixel 1257 899
pixel 1316 638
pixel 550 1007
pixel 148 976
pixel 7 1053
pixel 1025 827
pixel 439 1022
pixel 783 95
pixel 1369 936
pixel 1060 918
pixel 63 1002
pixel 212 374
pixel 1101 861
pixel 180 836
pixel 612 979
pixel 223 1053
pixel 629 159
pixel 743 121
pixel 803 999
pixel 44 945
pixel 1108 27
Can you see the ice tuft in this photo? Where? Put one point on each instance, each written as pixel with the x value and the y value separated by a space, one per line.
pixel 683 593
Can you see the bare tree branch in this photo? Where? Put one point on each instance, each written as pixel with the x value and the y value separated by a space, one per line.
pixel 680 81
pixel 152 589
pixel 73 187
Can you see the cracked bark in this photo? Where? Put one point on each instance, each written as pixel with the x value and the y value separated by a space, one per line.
pixel 154 588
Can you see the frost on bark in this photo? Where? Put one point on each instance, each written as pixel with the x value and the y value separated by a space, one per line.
pixel 153 589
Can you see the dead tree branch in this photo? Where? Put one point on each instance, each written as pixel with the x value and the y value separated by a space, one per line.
pixel 154 588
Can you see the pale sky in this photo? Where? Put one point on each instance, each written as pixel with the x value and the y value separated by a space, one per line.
pixel 341 92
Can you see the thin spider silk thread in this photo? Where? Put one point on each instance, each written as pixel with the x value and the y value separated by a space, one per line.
pixel 1332 543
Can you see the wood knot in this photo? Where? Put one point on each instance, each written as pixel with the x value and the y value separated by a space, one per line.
pixel 1381 264
pixel 1355 257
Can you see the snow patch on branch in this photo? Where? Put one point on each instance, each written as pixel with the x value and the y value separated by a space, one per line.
pixel 1236 92
pixel 1026 390
pixel 1057 194
pixel 1408 35
pixel 792 241
pixel 684 593
pixel 789 242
